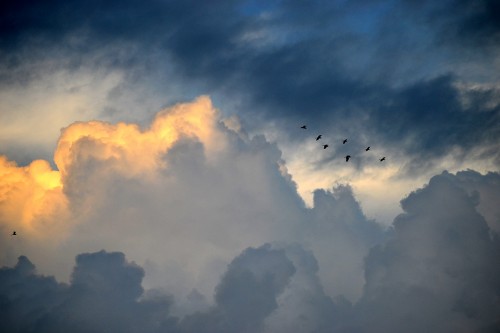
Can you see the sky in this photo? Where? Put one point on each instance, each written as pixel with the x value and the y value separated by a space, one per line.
pixel 154 168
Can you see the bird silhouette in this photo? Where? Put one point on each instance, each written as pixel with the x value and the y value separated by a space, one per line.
pixel 343 142
pixel 304 127
pixel 367 148
pixel 347 158
pixel 318 137
pixel 325 146
pixel 13 233
pixel 382 159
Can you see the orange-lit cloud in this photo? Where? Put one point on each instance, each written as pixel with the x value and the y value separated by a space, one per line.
pixel 33 198
pixel 30 196
pixel 138 151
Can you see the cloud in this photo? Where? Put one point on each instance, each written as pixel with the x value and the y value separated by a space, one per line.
pixel 438 272
pixel 474 23
pixel 31 201
pixel 486 187
pixel 341 235
pixel 183 194
pixel 246 294
pixel 388 75
pixel 26 297
pixel 304 306
pixel 102 296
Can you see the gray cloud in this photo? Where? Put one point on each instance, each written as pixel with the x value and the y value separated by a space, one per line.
pixel 487 188
pixel 304 306
pixel 339 234
pixel 102 296
pixel 438 273
pixel 246 294
pixel 25 297
pixel 241 199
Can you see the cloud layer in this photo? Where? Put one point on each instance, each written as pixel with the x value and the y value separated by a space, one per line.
pixel 394 72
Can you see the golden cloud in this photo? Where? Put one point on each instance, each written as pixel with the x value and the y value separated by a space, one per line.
pixel 33 197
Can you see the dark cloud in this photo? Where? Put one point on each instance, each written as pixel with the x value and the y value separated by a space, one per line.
pixel 330 64
pixel 432 120
pixel 25 297
pixel 459 22
pixel 102 296
pixel 246 294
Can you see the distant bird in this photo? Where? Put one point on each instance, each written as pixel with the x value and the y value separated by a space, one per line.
pixel 367 148
pixel 304 127
pixel 318 137
pixel 13 233
pixel 325 146
pixel 347 158
pixel 382 159
pixel 343 142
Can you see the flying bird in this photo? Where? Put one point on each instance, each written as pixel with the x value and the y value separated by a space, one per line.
pixel 382 159
pixel 347 158
pixel 367 148
pixel 318 137
pixel 343 142
pixel 13 233
pixel 304 127
pixel 325 146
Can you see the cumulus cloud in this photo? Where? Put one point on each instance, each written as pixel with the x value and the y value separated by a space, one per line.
pixel 102 296
pixel 487 188
pixel 438 273
pixel 185 195
pixel 180 197
pixel 246 294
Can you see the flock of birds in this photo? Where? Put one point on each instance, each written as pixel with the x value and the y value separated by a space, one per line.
pixel 347 157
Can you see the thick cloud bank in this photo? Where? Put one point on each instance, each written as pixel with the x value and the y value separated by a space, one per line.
pixel 181 198
pixel 210 216
pixel 438 272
